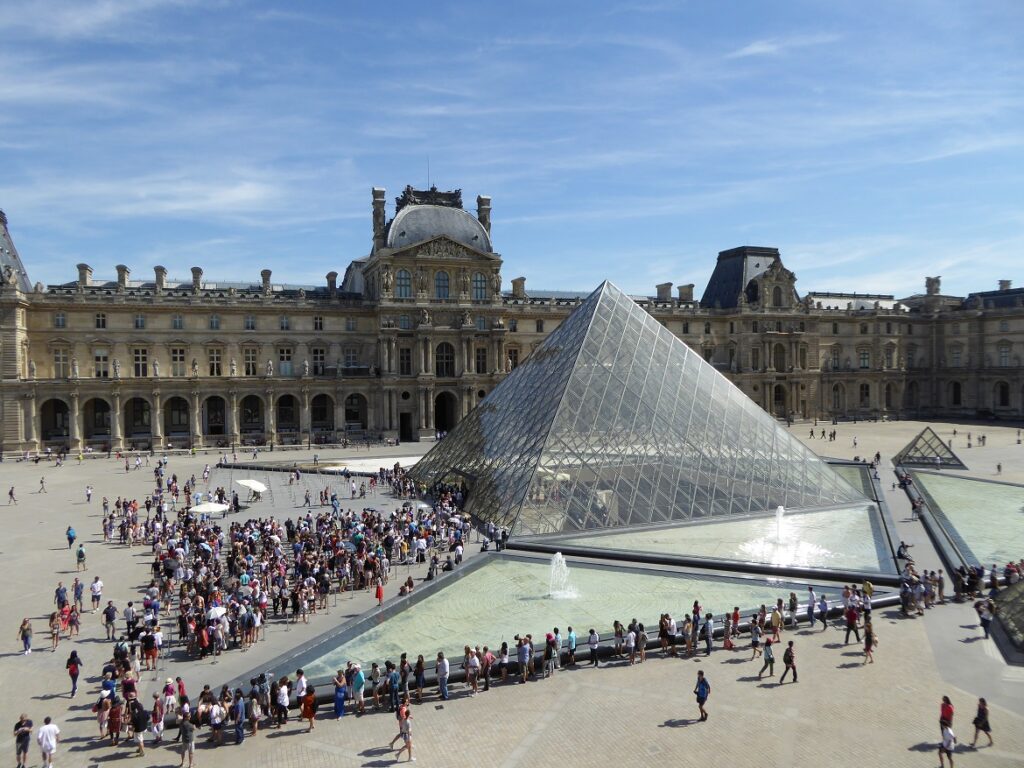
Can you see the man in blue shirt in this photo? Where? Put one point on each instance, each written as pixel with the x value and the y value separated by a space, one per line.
pixel 571 640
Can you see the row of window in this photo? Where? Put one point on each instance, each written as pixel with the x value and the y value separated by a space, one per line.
pixel 249 322
pixel 442 285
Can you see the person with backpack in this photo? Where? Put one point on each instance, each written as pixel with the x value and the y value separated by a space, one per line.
pixel 702 690
pixel 74 668
pixel 769 660
pixel 789 659
pixel 140 722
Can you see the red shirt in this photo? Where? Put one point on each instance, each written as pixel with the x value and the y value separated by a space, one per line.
pixel 946 713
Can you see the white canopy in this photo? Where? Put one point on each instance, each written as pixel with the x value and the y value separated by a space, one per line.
pixel 252 485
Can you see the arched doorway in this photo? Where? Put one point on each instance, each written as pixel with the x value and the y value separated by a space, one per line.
pixel 779 357
pixel 890 396
pixel 1001 395
pixel 55 420
pixel 176 417
pixel 96 419
pixel 779 400
pixel 287 415
pixel 911 395
pixel 137 417
pixel 250 415
pixel 214 415
pixel 321 414
pixel 446 412
pixel 444 360
pixel 355 413
pixel 955 394
pixel 838 398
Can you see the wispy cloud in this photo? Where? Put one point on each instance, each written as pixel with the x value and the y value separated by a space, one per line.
pixel 777 45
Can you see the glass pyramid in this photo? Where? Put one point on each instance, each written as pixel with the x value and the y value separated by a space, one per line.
pixel 928 450
pixel 614 422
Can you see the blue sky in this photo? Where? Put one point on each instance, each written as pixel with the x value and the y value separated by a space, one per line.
pixel 874 143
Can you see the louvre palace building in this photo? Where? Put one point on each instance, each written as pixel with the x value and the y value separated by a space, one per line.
pixel 415 334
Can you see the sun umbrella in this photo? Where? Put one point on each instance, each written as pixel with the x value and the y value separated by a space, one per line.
pixel 216 612
pixel 210 508
pixel 245 591
pixel 204 545
pixel 424 505
pixel 252 485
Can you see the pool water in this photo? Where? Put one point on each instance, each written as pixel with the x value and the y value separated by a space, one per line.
pixel 508 595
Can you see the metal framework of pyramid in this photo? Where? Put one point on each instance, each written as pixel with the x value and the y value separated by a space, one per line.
pixel 614 422
pixel 928 450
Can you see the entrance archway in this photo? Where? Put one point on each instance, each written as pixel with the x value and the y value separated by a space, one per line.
pixel 838 398
pixel 176 417
pixel 287 414
pixel 321 414
pixel 251 415
pixel 137 417
pixel 96 421
pixel 55 418
pixel 355 412
pixel 214 414
pixel 446 410
pixel 890 396
pixel 779 400
pixel 779 357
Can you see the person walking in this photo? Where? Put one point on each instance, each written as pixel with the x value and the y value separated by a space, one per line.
pixel 187 733
pixel 22 738
pixel 851 624
pixel 42 485
pixel 593 641
pixel 48 737
pixel 340 693
pixel 11 498
pixel 769 660
pixel 442 667
pixel 74 668
pixel 945 713
pixel 702 690
pixel 789 659
pixel 80 558
pixel 71 536
pixel 981 724
pixel 25 635
pixel 823 611
pixel 870 641
pixel 811 604
pixel 709 633
pixel 947 746
pixel 405 731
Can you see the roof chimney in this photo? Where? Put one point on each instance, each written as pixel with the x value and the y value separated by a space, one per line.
pixel 161 278
pixel 685 292
pixel 483 212
pixel 664 291
pixel 379 217
pixel 197 278
pixel 265 275
pixel 332 283
pixel 519 288
pixel 122 277
pixel 84 275
pixel 1004 285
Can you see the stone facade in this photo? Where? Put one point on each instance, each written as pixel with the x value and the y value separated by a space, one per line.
pixel 420 330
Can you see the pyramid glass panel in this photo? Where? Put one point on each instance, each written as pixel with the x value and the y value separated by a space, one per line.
pixel 928 450
pixel 612 416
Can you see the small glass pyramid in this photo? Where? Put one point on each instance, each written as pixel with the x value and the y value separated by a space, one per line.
pixel 928 450
pixel 614 422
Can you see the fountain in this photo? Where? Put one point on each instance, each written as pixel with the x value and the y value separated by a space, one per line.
pixel 779 512
pixel 559 586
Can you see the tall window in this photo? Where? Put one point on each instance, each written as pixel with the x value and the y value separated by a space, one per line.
pixel 214 322
pixel 60 320
pixel 101 320
pixel 61 364
pixel 177 361
pixel 481 323
pixel 1004 357
pixel 319 361
pixel 835 329
pixel 101 362
pixel 1002 395
pixel 403 284
pixel 405 322
pixel 540 326
pixel 707 327
pixel 863 329
pixel 250 361
pixel 888 327
pixel 404 361
pixel 284 361
pixel 140 361
pixel 755 359
pixel 481 359
pixel 513 358
pixel 686 327
pixel 777 296
pixel 889 352
pixel 177 322
pixel 865 395
pixel 351 324
pixel 955 357
pixel 250 323
pixel 910 356
pixel 956 329
pixel 479 287
pixel 213 357
pixel 865 358
pixel 318 322
pixel 1004 325
pixel 444 360
pixel 513 325
pixel 140 322
pixel 285 323
pixel 955 393
pixel 441 285
pixel 835 359
pixel 350 357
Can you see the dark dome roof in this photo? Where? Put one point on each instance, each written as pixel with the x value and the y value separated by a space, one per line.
pixel 417 223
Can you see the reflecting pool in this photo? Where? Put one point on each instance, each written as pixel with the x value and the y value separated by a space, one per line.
pixel 985 518
pixel 508 595
pixel 845 538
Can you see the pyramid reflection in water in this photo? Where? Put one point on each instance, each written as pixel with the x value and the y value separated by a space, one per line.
pixel 614 422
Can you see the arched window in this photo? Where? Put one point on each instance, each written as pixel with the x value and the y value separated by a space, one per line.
pixel 403 284
pixel 479 286
pixel 865 395
pixel 707 327
pixel 1002 395
pixel 777 296
pixel 444 360
pixel 441 285
pixel 838 398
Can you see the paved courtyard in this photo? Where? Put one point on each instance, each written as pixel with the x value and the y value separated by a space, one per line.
pixel 840 713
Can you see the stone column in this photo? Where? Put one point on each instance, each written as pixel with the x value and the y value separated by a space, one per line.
pixel 232 417
pixel 116 436
pixel 394 409
pixel 269 422
pixel 467 401
pixel 430 409
pixel 30 421
pixel 156 426
pixel 430 354
pixel 304 423
pixel 339 412
pixel 197 421
pixel 467 352
pixel 76 423
pixel 422 393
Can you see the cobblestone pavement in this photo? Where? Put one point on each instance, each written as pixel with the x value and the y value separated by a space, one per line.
pixel 841 712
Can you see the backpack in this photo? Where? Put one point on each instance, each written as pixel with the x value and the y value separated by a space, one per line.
pixel 787 657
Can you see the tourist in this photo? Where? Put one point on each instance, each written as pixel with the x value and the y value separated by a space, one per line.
pixel 340 693
pixel 823 611
pixel 74 668
pixel 631 646
pixel 776 622
pixel 769 660
pixel 308 707
pixel 48 737
pixel 22 737
pixel 620 635
pixel 593 642
pixel 980 722
pixel 702 690
pixel 709 633
pixel 945 713
pixel 870 641
pixel 755 638
pixel 641 641
pixel 405 729
pixel 420 673
pixel 851 623
pixel 811 603
pixel 789 659
pixel 156 718
pixel 985 610
pixel 54 624
pixel 187 734
pixel 947 746
pixel 25 636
